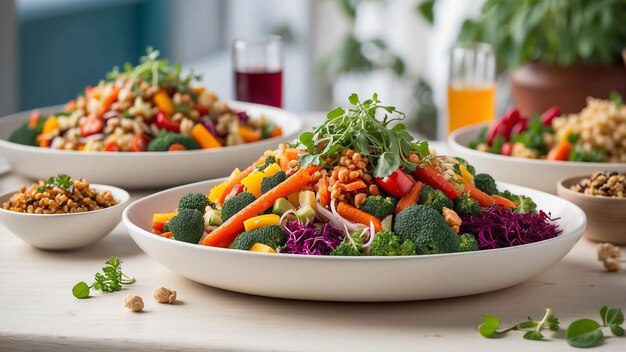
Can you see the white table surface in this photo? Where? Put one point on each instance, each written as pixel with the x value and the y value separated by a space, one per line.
pixel 39 312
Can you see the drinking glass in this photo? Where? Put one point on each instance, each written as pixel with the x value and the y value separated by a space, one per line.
pixel 471 85
pixel 258 67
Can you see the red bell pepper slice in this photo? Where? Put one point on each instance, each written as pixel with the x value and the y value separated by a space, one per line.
pixel 164 122
pixel 549 115
pixel 235 191
pixel 397 184
pixel 428 174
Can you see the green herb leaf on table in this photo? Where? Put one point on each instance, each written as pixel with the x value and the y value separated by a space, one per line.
pixel 584 333
pixel 110 280
pixel 360 129
pixel 490 324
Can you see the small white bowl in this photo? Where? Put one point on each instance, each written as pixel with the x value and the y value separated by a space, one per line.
pixel 65 231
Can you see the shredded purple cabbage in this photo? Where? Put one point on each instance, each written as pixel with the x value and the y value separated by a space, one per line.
pixel 499 228
pixel 318 239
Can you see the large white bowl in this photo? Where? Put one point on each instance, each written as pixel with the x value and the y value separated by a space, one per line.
pixel 362 279
pixel 145 169
pixel 65 231
pixel 534 173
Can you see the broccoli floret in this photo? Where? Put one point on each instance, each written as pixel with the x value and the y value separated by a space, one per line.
pixel 270 182
pixel 435 199
pixel 268 161
pixel 269 235
pixel 463 162
pixel 468 243
pixel 378 206
pixel 466 205
pixel 525 204
pixel 233 205
pixel 427 229
pixel 166 228
pixel 196 201
pixel 164 141
pixel 187 226
pixel 346 249
pixel 25 135
pixel 387 244
pixel 486 183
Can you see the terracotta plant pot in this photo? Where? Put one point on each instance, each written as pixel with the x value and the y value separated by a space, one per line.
pixel 537 86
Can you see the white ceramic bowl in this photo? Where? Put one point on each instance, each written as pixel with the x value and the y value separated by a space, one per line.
pixel 65 231
pixel 146 169
pixel 362 279
pixel 538 174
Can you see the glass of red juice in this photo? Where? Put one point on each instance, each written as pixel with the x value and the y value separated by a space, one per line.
pixel 258 66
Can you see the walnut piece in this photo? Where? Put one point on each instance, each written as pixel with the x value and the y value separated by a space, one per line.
pixel 164 295
pixel 609 255
pixel 134 303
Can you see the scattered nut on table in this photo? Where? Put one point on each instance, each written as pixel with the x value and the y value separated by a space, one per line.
pixel 134 303
pixel 164 295
pixel 609 255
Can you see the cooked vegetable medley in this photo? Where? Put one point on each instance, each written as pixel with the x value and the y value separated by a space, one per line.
pixel 353 187
pixel 148 107
pixel 596 134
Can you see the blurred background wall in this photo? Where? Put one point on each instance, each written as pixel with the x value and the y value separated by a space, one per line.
pixel 51 49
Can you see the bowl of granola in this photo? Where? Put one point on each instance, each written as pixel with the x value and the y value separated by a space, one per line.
pixel 62 212
pixel 602 196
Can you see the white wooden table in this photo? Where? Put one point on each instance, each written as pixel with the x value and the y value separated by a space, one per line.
pixel 38 311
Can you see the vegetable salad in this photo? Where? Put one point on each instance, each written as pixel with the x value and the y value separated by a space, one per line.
pixel 357 186
pixel 148 107
pixel 596 134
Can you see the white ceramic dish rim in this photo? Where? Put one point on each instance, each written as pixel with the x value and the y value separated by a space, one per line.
pixel 20 115
pixel 98 187
pixel 452 140
pixel 208 249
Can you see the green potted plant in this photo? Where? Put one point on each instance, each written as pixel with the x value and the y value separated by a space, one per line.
pixel 558 52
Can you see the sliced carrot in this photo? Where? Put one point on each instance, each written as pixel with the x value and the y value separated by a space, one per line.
pixel 354 214
pixel 249 135
pixel 504 202
pixel 410 198
pixel 353 186
pixel 276 132
pixel 429 175
pixel 224 235
pixel 323 191
pixel 560 152
pixel 236 179
pixel 166 234
pixel 204 137
pixel 483 199
pixel 33 119
pixel 108 101
pixel 286 156
pixel 311 169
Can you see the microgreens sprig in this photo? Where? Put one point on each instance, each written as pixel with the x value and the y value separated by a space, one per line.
pixel 489 327
pixel 158 72
pixel 110 280
pixel 60 181
pixel 359 129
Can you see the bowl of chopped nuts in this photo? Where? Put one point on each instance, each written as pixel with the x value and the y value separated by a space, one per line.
pixel 602 196
pixel 62 212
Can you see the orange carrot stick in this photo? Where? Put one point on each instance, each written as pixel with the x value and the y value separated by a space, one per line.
pixel 484 200
pixel 410 198
pixel 353 186
pixel 353 214
pixel 504 202
pixel 224 235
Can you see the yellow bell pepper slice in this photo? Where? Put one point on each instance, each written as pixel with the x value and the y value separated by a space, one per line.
pixel 253 183
pixel 163 102
pixel 51 124
pixel 271 170
pixel 261 221
pixel 216 192
pixel 163 217
pixel 467 176
pixel 564 135
pixel 260 247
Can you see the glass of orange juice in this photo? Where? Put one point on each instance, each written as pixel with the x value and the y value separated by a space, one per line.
pixel 471 86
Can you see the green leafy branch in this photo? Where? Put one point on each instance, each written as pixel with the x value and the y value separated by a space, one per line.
pixel 60 181
pixel 110 280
